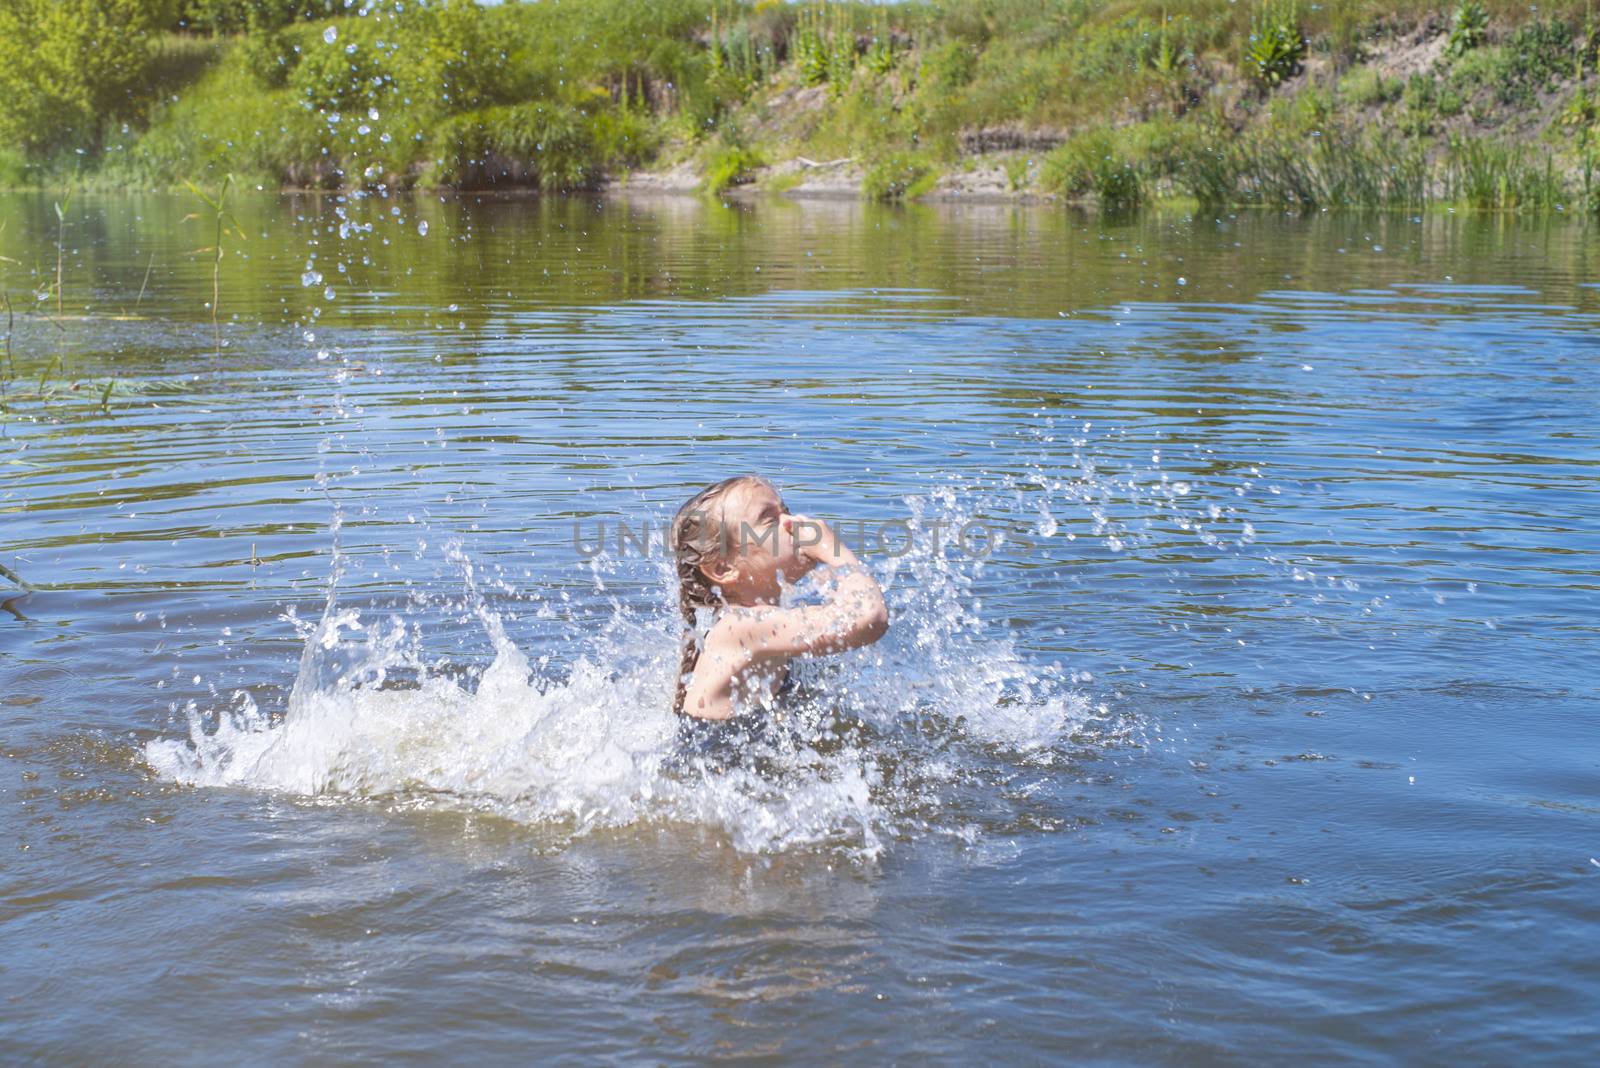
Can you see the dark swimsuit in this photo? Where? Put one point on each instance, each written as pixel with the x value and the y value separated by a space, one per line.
pixel 720 743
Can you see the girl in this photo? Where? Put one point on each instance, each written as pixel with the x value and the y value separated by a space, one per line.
pixel 736 548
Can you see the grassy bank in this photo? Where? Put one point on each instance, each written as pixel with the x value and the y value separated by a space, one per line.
pixel 1347 102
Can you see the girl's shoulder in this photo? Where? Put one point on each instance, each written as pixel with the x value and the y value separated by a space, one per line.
pixel 730 617
pixel 737 624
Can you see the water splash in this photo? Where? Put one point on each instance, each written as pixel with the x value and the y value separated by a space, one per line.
pixel 874 740
pixel 915 735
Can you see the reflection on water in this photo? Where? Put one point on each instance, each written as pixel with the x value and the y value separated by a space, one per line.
pixel 1261 722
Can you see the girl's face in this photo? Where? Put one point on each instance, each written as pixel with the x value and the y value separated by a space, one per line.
pixel 763 555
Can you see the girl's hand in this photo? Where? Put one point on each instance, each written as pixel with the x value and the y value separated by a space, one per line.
pixel 852 614
pixel 814 541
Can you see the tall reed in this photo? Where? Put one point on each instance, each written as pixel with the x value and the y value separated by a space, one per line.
pixel 221 217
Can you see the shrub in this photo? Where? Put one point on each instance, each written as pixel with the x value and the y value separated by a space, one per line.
pixel 1367 87
pixel 841 62
pixel 232 16
pixel 880 56
pixel 1276 49
pixel 900 176
pixel 14 169
pixel 268 56
pixel 1093 162
pixel 1490 175
pixel 347 71
pixel 444 59
pixel 730 166
pixel 552 146
pixel 68 67
pixel 1208 169
pixel 948 67
pixel 810 56
pixel 1469 28
pixel 1532 60
pixel 1542 52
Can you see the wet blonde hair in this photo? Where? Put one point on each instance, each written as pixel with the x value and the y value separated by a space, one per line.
pixel 700 535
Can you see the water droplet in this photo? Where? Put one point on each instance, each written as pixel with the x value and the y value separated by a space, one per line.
pixel 1183 281
pixel 330 35
pixel 327 293
pixel 422 227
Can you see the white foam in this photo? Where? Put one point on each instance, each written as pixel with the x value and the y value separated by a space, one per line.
pixel 595 744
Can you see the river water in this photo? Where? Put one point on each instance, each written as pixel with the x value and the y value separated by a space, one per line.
pixel 1252 716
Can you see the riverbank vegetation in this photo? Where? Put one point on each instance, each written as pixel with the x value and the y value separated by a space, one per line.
pixel 1476 103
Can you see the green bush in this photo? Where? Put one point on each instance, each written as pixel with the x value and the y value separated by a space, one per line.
pixel 553 146
pixel 1367 87
pixel 1489 175
pixel 347 72
pixel 810 56
pixel 269 57
pixel 213 129
pixel 948 67
pixel 1469 28
pixel 14 169
pixel 1532 60
pixel 1208 169
pixel 900 176
pixel 880 56
pixel 445 59
pixel 433 61
pixel 69 67
pixel 1276 49
pixel 1542 52
pixel 1094 162
pixel 233 16
pixel 730 165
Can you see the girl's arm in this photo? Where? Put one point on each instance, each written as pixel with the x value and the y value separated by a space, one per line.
pixel 853 615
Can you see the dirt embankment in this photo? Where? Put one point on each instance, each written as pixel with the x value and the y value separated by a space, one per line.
pixel 1003 163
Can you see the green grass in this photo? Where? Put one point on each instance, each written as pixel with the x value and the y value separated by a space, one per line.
pixel 1491 176
pixel 730 165
pixel 899 176
pixel 1098 162
pixel 15 169
pixel 1163 97
pixel 1367 87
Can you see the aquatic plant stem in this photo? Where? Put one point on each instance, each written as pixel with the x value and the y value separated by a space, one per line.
pixel 6 572
pixel 61 248
pixel 222 218
pixel 146 283
pixel 11 318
